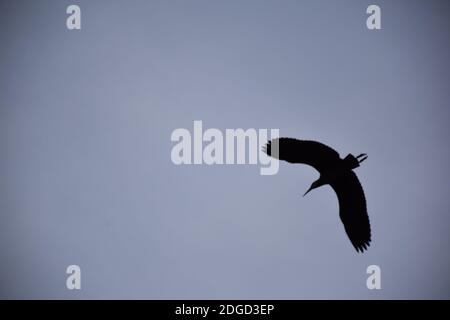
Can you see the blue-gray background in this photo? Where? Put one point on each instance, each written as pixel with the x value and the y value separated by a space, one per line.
pixel 86 176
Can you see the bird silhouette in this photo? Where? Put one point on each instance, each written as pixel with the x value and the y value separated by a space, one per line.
pixel 336 172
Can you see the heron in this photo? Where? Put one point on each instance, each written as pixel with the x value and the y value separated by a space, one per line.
pixel 336 172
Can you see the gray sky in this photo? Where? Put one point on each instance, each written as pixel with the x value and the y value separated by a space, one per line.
pixel 85 124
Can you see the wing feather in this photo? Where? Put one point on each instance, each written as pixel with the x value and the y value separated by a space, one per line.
pixel 353 209
pixel 312 153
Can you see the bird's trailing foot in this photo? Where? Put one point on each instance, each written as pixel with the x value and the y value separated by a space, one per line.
pixel 361 157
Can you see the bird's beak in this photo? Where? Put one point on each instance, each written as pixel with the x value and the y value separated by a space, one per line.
pixel 308 191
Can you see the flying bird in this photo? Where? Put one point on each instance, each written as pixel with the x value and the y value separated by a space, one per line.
pixel 336 172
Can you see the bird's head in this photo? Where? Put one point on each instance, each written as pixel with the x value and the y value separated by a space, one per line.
pixel 314 185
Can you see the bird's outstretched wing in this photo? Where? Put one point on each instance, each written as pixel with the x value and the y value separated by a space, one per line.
pixel 353 210
pixel 312 153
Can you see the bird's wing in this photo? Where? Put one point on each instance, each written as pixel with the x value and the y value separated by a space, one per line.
pixel 312 153
pixel 353 210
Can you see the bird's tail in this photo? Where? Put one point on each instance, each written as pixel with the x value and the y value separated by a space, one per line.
pixel 353 162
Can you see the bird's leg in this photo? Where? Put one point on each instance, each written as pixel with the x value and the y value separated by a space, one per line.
pixel 361 157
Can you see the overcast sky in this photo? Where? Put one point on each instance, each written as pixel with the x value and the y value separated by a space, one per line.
pixel 85 124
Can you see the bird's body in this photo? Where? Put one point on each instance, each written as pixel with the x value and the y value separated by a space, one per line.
pixel 336 172
pixel 341 167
